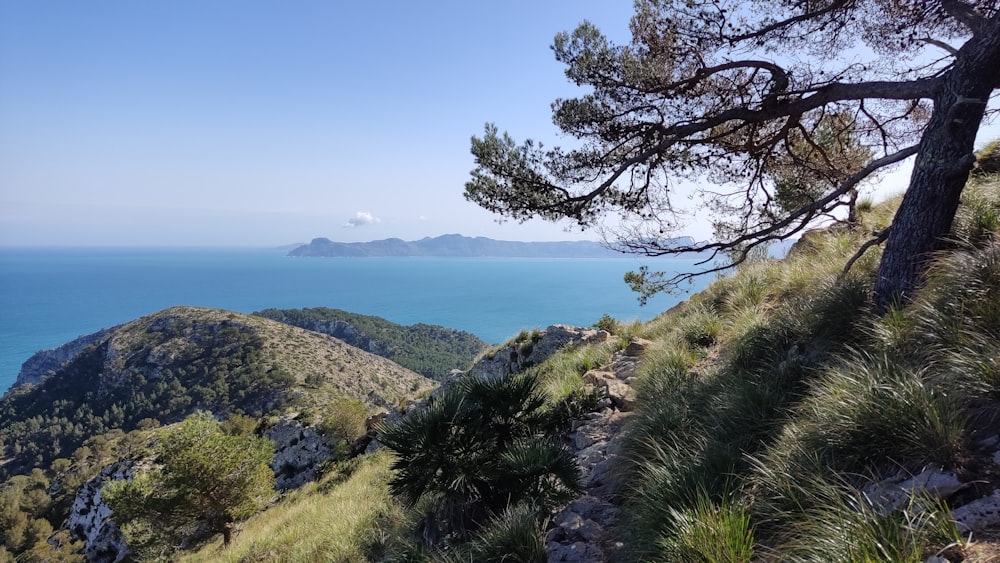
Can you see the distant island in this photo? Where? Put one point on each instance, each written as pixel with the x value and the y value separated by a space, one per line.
pixel 461 246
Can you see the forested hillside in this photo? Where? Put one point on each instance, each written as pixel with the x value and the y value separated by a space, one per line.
pixel 184 359
pixel 430 350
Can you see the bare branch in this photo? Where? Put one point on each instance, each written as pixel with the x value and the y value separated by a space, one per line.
pixel 878 238
pixel 939 44
pixel 775 231
pixel 805 16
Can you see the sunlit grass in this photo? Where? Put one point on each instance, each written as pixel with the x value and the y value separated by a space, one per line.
pixel 768 400
pixel 325 521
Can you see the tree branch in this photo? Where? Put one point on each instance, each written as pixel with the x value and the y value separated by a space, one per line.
pixel 939 44
pixel 964 14
pixel 806 16
pixel 878 238
pixel 774 230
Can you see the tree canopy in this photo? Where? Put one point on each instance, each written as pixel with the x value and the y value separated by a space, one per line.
pixel 205 475
pixel 782 107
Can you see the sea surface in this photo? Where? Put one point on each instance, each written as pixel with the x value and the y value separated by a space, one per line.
pixel 50 296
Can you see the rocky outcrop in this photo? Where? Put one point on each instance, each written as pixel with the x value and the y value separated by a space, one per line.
pixel 90 519
pixel 532 348
pixel 298 450
pixel 45 362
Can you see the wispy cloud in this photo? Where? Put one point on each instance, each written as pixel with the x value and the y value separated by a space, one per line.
pixel 362 218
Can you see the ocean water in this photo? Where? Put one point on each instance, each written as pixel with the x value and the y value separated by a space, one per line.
pixel 51 296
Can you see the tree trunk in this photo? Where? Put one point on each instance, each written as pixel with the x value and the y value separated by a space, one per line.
pixel 941 168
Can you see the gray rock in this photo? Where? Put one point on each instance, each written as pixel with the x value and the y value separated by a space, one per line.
pixel 637 346
pixel 539 346
pixel 621 394
pixel 590 531
pixel 891 494
pixel 579 552
pixel 598 377
pixel 91 520
pixel 979 515
pixel 593 508
pixel 298 451
pixel 44 362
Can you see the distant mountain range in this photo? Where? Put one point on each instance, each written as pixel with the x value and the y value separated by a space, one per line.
pixel 462 246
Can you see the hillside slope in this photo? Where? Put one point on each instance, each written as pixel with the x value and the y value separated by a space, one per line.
pixel 430 350
pixel 182 359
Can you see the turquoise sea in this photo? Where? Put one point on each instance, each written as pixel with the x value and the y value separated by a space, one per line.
pixel 51 296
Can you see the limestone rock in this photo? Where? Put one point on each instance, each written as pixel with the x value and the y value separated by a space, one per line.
pixel 44 362
pixel 890 494
pixel 636 347
pixel 298 451
pixel 90 519
pixel 521 354
pixel 578 552
pixel 979 515
pixel 621 394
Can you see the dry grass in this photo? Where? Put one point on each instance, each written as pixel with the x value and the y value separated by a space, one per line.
pixel 325 521
pixel 344 369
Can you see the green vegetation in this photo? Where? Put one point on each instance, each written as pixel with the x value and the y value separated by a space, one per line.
pixel 204 481
pixel 775 134
pixel 347 516
pixel 102 406
pixel 766 404
pixel 179 364
pixel 771 398
pixel 430 350
pixel 40 500
pixel 475 453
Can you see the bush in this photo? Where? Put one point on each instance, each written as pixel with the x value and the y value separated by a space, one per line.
pixel 608 324
pixel 988 159
pixel 477 448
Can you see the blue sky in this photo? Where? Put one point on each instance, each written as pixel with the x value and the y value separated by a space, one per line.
pixel 264 123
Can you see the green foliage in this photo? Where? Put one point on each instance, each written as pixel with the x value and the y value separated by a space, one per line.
pixel 710 533
pixel 608 324
pixel 346 517
pixel 429 350
pixel 512 536
pixel 213 365
pixel 821 517
pixel 343 422
pixel 238 425
pixel 803 397
pixel 204 475
pixel 477 448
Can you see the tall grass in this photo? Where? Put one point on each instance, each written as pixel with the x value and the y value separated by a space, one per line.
pixel 345 519
pixel 770 399
pixel 819 517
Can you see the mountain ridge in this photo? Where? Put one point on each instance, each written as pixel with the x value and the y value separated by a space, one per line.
pixel 456 245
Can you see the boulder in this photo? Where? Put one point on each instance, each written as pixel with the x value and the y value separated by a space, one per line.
pixel 636 347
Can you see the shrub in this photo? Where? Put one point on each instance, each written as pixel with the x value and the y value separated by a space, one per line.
pixel 608 324
pixel 477 448
pixel 710 533
pixel 343 420
pixel 512 536
pixel 988 159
